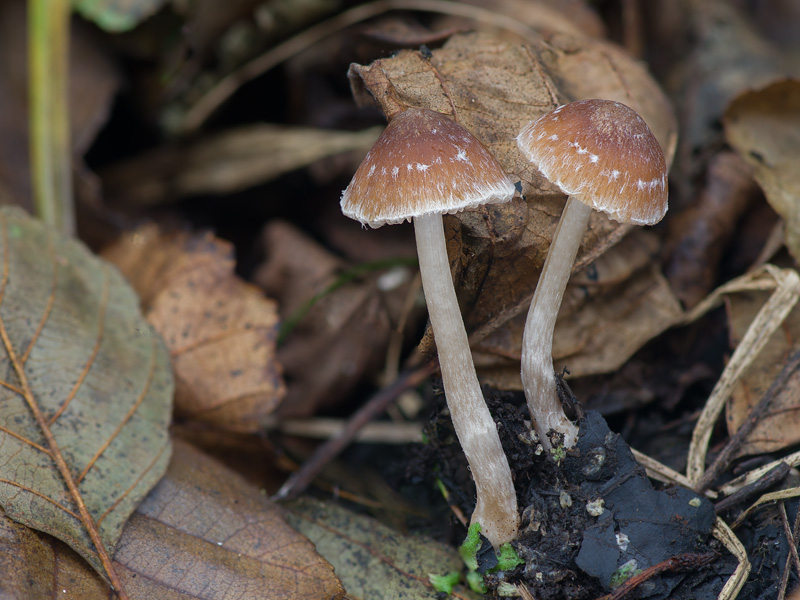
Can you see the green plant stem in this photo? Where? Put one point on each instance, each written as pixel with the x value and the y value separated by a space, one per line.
pixel 50 148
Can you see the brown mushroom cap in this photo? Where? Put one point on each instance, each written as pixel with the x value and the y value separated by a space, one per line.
pixel 423 163
pixel 602 153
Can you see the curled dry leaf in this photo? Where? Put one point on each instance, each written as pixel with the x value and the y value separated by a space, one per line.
pixel 373 560
pixel 344 335
pixel 220 331
pixel 86 395
pixel 227 162
pixel 764 127
pixel 493 87
pixel 779 427
pixel 202 533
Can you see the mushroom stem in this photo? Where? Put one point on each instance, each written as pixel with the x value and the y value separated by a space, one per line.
pixel 496 508
pixel 538 377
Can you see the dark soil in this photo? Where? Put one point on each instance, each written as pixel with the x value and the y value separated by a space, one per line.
pixel 591 522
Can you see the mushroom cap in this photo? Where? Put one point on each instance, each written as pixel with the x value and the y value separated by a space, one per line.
pixel 423 163
pixel 602 153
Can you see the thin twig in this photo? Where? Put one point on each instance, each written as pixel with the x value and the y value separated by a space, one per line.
pixel 786 568
pixel 682 562
pixel 301 478
pixel 766 481
pixel 728 453
pixel 791 537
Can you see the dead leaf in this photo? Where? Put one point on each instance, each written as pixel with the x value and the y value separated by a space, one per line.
pixel 728 55
pixel 207 533
pixel 220 331
pixel 86 396
pixel 202 533
pixel 610 310
pixel 38 567
pixel 227 162
pixel 779 427
pixel 699 235
pixel 344 335
pixel 372 560
pixel 764 127
pixel 568 16
pixel 493 87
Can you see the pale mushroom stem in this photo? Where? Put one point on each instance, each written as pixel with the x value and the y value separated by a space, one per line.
pixel 538 377
pixel 496 508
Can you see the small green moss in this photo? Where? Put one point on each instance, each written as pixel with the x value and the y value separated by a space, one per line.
pixel 624 573
pixel 444 583
pixel 508 558
pixel 469 549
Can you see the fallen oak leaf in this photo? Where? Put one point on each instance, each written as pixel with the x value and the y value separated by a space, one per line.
pixel 220 331
pixel 85 400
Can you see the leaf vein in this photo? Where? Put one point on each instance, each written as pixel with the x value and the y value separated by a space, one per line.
pixel 127 417
pixel 40 495
pixel 26 441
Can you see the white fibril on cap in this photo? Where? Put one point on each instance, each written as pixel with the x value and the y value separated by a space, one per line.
pixel 604 157
pixel 422 166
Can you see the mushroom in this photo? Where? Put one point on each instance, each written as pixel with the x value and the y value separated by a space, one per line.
pixel 422 166
pixel 604 157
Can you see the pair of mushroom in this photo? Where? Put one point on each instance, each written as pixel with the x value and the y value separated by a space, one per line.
pixel 601 154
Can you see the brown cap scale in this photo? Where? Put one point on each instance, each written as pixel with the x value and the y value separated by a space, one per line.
pixel 422 166
pixel 603 155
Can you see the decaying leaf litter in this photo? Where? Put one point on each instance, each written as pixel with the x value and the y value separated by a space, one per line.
pixel 640 327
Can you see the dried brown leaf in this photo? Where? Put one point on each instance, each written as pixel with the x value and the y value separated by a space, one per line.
pixel 610 310
pixel 493 87
pixel 779 427
pixel 699 235
pixel 345 334
pixel 728 55
pixel 764 127
pixel 227 162
pixel 220 331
